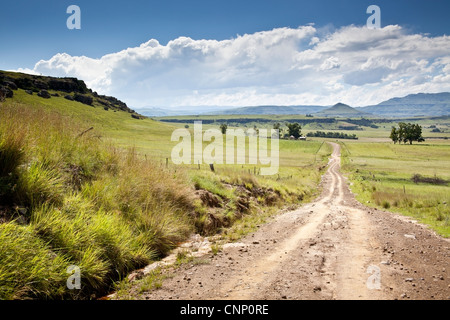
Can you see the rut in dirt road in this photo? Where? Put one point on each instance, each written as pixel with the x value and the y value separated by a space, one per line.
pixel 331 248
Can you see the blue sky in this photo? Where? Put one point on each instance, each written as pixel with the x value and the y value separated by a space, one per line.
pixel 32 31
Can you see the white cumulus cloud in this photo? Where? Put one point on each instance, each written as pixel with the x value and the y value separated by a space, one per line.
pixel 355 65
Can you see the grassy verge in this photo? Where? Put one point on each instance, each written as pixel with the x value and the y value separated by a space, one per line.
pixel 383 176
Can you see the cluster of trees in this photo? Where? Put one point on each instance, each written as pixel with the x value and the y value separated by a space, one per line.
pixel 334 135
pixel 406 132
pixel 293 129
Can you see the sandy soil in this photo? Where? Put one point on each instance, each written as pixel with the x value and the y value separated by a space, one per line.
pixel 332 248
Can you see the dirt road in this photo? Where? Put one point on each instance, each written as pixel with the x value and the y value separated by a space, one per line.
pixel 332 248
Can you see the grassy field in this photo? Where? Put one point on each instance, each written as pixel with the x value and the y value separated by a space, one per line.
pixel 105 200
pixel 382 176
pixel 372 129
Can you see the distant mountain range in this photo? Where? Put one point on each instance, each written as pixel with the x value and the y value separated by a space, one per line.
pixel 267 110
pixel 421 104
pixel 413 105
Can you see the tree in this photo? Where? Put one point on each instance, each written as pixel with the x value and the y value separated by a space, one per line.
pixel 256 129
pixel 294 129
pixel 416 133
pixel 223 128
pixel 394 135
pixel 407 132
pixel 277 126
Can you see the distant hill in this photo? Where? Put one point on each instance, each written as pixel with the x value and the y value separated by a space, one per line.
pixel 421 104
pixel 181 111
pixel 270 110
pixel 341 110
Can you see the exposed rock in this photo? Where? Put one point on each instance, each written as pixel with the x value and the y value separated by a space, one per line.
pixel 40 85
pixel 83 99
pixel 44 94
pixel 137 116
pixel 10 85
pixel 137 275
pixel 234 245
pixel 208 198
pixel 5 92
pixel 243 204
pixel 68 85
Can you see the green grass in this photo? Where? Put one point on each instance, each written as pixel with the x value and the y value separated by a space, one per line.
pixel 85 203
pixel 382 176
pixel 105 200
pixel 28 265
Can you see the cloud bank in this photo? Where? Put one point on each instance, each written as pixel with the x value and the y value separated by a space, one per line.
pixel 283 66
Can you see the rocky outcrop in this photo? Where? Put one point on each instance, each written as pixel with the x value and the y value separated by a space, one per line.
pixel 44 94
pixel 6 88
pixel 83 99
pixel 5 92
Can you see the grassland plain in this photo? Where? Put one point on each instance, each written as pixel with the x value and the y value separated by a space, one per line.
pixel 382 176
pixel 105 200
pixel 366 129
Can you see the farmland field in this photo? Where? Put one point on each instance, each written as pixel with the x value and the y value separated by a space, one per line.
pixel 382 175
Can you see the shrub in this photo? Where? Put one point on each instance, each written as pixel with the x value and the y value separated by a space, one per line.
pixel 386 204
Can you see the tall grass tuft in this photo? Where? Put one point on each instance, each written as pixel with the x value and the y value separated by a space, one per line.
pixel 12 153
pixel 105 210
pixel 29 268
